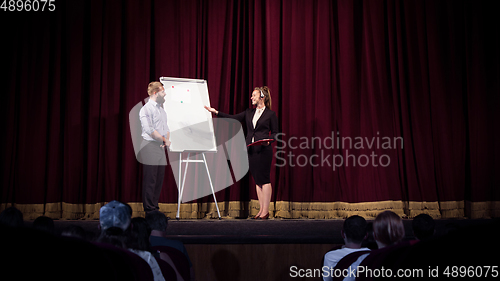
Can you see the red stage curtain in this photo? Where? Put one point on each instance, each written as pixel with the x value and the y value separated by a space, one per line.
pixel 422 74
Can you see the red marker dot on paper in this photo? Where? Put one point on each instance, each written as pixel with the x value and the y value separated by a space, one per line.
pixel 172 86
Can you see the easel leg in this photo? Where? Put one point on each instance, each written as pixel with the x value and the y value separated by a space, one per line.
pixel 183 181
pixel 211 185
pixel 185 172
pixel 180 186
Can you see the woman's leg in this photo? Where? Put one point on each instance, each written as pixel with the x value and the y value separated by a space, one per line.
pixel 259 196
pixel 266 192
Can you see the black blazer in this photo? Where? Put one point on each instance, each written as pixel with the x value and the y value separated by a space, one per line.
pixel 266 127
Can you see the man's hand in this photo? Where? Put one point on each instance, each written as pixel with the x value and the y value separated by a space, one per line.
pixel 165 142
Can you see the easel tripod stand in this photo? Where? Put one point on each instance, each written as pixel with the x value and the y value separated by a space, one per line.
pixel 181 188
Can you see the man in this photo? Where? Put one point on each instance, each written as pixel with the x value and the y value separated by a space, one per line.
pixel 353 233
pixel 115 222
pixel 423 227
pixel 115 214
pixel 158 223
pixel 11 217
pixel 156 135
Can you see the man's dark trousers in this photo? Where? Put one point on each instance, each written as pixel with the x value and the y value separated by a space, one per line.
pixel 154 161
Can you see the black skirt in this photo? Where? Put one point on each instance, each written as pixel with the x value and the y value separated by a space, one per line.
pixel 260 158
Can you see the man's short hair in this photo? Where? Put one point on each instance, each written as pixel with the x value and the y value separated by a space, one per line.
pixel 157 220
pixel 154 87
pixel 355 228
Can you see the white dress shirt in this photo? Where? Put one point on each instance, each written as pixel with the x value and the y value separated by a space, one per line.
pixel 256 116
pixel 153 117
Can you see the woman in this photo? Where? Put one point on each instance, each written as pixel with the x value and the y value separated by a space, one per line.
pixel 262 123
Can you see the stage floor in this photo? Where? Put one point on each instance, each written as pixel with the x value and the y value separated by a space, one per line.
pixel 274 231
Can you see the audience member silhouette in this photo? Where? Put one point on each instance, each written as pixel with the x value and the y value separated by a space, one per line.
pixel 388 229
pixel 74 231
pixel 138 243
pixel 423 227
pixel 114 223
pixel 354 231
pixel 45 224
pixel 158 223
pixel 12 217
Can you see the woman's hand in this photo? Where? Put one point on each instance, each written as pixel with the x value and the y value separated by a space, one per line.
pixel 211 109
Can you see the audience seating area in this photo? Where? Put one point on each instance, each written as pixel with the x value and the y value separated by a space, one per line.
pixel 463 252
pixel 38 251
pixel 31 254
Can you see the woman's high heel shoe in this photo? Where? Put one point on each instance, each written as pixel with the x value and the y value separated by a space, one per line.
pixel 264 217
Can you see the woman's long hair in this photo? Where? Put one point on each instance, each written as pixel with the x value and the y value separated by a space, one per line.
pixel 388 228
pixel 267 95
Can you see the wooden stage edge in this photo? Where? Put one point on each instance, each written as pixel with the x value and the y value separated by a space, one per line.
pixel 273 231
